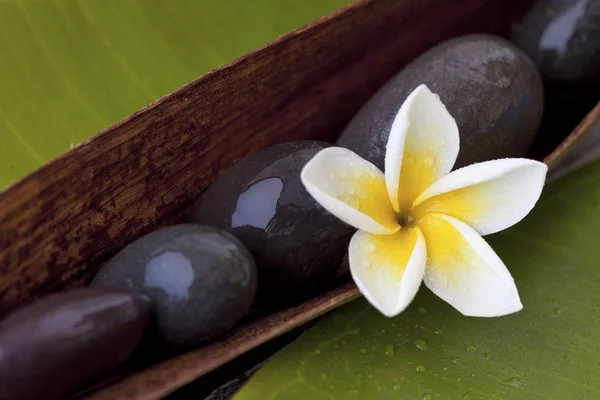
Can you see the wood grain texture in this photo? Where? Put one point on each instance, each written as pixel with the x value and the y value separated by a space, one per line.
pixel 581 147
pixel 59 224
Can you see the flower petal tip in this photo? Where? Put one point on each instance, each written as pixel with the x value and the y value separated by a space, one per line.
pixel 350 188
pixel 388 270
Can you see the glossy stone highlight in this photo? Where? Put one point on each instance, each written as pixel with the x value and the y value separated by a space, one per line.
pixel 60 343
pixel 487 84
pixel 563 39
pixel 201 280
pixel 298 246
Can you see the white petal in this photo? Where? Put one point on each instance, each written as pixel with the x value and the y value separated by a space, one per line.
pixel 350 188
pixel 489 196
pixel 422 147
pixel 388 269
pixel 463 269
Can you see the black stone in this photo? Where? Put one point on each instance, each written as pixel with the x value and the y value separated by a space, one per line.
pixel 201 280
pixel 298 246
pixel 60 343
pixel 488 85
pixel 562 37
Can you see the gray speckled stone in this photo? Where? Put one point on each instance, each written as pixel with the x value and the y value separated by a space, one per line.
pixel 201 280
pixel 563 39
pixel 298 246
pixel 60 343
pixel 489 86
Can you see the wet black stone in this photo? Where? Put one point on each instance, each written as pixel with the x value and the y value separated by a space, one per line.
pixel 60 343
pixel 298 246
pixel 201 280
pixel 562 37
pixel 488 85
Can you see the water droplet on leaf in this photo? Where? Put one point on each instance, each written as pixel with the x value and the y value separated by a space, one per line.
pixel 389 349
pixel 470 348
pixel 420 368
pixel 514 382
pixel 354 330
pixel 421 345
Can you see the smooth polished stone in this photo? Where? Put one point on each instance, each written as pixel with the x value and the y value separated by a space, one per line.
pixel 201 280
pixel 61 342
pixel 298 246
pixel 490 87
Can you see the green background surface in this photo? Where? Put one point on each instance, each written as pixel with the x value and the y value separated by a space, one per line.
pixel 550 350
pixel 70 68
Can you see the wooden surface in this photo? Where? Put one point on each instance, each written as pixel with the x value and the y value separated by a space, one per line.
pixel 59 224
pixel 580 148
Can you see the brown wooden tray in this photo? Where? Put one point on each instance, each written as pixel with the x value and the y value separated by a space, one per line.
pixel 60 223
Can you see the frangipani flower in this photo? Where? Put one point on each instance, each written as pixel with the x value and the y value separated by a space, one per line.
pixel 420 221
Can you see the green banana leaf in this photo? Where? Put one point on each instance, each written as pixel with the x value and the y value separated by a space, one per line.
pixel 549 350
pixel 70 68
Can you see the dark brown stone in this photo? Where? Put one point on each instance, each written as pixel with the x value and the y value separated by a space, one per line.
pixel 61 342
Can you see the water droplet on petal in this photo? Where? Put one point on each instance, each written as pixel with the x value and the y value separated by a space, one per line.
pixel 369 247
pixel 441 141
pixel 428 161
pixel 351 190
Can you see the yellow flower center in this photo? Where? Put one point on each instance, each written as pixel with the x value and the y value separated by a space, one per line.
pixel 406 219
